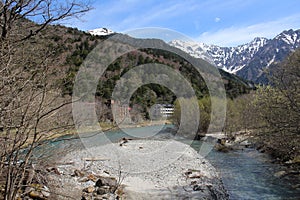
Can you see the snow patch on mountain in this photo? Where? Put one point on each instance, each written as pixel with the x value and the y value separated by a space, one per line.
pixel 197 50
pixel 230 59
pixel 101 32
pixel 271 61
pixel 290 37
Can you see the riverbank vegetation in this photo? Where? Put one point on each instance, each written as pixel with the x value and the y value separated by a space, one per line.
pixel 270 113
pixel 279 106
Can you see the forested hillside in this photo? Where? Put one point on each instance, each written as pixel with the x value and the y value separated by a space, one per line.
pixel 78 45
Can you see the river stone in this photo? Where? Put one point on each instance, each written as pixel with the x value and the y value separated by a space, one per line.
pixel 45 191
pixel 86 196
pixel 36 195
pixel 280 174
pixel 198 188
pixel 103 190
pixel 106 181
pixel 78 173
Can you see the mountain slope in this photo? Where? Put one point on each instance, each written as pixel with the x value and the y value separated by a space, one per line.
pixel 72 46
pixel 275 50
pixel 230 59
pixel 249 60
pixel 144 56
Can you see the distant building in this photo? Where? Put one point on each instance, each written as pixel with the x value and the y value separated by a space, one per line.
pixel 120 111
pixel 167 110
pixel 163 111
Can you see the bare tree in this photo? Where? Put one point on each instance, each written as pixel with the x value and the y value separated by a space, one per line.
pixel 31 106
pixel 44 12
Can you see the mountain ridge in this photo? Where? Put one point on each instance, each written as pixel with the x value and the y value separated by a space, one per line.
pixel 249 60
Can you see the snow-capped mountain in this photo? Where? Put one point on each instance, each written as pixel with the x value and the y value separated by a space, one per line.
pixel 248 60
pixel 197 50
pixel 230 59
pixel 290 37
pixel 275 50
pixel 101 31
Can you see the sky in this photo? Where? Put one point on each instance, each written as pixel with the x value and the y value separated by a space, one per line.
pixel 219 22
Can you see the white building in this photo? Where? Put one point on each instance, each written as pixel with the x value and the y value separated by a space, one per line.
pixel 167 110
pixel 163 111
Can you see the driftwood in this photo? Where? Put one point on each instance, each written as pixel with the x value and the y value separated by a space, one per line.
pixel 66 163
pixel 95 159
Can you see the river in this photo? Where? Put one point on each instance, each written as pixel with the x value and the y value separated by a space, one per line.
pixel 249 174
pixel 246 174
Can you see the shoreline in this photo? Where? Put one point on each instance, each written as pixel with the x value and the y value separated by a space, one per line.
pixel 105 128
pixel 109 127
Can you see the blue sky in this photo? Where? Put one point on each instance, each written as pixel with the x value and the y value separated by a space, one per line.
pixel 220 22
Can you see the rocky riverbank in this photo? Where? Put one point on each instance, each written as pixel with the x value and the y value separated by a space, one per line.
pixel 136 169
pixel 289 169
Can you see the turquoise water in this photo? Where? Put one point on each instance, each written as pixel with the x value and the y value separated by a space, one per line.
pixel 246 174
pixel 249 174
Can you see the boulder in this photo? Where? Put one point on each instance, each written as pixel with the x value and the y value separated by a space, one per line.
pixel 106 181
pixel 198 188
pixel 193 174
pixel 103 190
pixel 36 195
pixel 45 191
pixel 86 196
pixel 223 148
pixel 280 174
pixel 296 160
pixel 78 173
pixel 221 141
pixel 54 170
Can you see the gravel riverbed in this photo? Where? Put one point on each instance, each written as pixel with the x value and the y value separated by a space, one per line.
pixel 143 169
